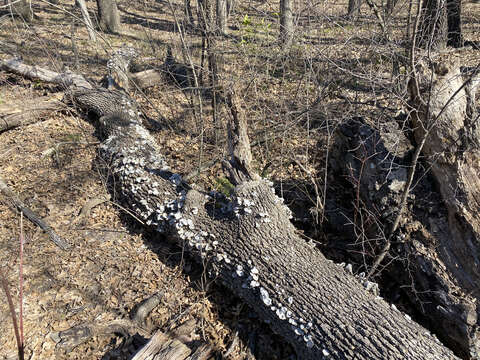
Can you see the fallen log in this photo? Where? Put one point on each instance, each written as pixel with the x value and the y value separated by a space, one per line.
pixel 248 243
pixel 147 78
pixel 31 112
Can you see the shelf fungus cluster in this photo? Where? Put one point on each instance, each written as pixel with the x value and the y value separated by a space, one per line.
pixel 299 326
pixel 368 285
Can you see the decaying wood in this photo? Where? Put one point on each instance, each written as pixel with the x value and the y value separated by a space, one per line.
pixel 378 162
pixel 14 200
pixel 142 310
pixel 65 79
pixel 161 347
pixel 252 247
pixel 238 145
pixel 434 240
pixel 168 346
pixel 203 352
pixel 147 78
pixel 71 338
pixel 164 346
pixel 447 111
pixel 31 112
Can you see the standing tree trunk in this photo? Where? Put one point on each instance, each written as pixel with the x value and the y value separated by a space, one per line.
pixel 454 11
pixel 286 24
pixel 109 16
pixel 433 25
pixel 354 8
pixel 23 8
pixel 222 16
pixel 389 7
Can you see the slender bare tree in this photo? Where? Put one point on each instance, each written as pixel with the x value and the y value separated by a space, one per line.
pixel 222 16
pixel 86 18
pixel 286 23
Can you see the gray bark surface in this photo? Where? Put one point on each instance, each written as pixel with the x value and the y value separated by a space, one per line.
pixel 286 23
pixel 109 16
pixel 23 9
pixel 86 18
pixel 222 14
pixel 248 243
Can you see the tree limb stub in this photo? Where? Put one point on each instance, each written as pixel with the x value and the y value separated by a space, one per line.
pixel 250 246
pixel 238 144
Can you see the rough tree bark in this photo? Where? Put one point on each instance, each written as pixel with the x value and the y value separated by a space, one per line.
pixel 454 20
pixel 108 16
pixel 354 8
pixel 247 241
pixel 433 28
pixel 22 8
pixel 440 24
pixel 286 23
pixel 222 16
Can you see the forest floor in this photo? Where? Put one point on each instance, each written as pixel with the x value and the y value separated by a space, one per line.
pixel 114 263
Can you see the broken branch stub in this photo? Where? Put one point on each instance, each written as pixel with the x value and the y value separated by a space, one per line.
pixel 239 166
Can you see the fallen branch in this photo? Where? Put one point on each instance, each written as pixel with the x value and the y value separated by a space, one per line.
pixel 30 215
pixel 33 111
pixel 147 78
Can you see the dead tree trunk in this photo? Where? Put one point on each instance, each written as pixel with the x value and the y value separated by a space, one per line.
pixel 446 111
pixel 435 250
pixel 377 163
pixel 108 15
pixel 248 243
